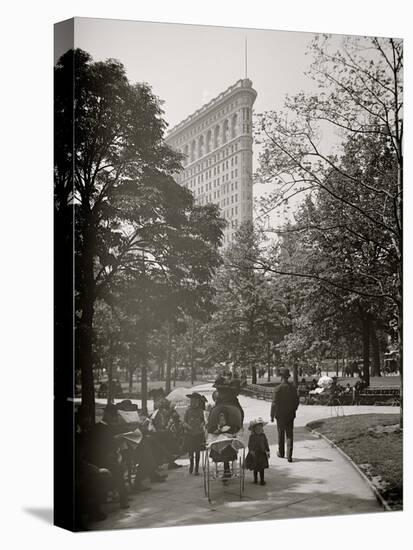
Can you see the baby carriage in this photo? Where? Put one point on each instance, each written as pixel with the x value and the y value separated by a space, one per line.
pixel 224 455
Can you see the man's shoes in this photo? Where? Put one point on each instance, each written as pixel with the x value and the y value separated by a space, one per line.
pixel 255 480
pixel 280 455
pixel 262 482
pixel 289 459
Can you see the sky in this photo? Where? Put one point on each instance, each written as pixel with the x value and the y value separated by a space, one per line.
pixel 187 65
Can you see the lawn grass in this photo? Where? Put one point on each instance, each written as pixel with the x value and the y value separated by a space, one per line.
pixel 375 443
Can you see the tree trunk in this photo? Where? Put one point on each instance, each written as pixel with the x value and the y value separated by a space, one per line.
pixel 168 360
pixel 109 363
pixel 375 348
pixel 144 374
pixel 269 361
pixel 253 374
pixel 366 331
pixel 160 368
pixel 400 358
pixel 295 375
pixel 193 373
pixel 130 380
pixel 174 365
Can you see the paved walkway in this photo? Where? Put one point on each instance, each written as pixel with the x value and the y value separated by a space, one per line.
pixel 319 482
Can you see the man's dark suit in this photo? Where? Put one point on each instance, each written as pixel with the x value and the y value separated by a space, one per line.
pixel 284 404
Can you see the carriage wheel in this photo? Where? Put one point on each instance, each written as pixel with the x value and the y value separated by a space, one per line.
pixel 208 484
pixel 204 459
pixel 243 469
pixel 240 476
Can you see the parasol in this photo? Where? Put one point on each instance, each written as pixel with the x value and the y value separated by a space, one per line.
pixel 324 382
pixel 178 396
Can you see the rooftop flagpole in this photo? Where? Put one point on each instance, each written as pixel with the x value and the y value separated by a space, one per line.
pixel 246 57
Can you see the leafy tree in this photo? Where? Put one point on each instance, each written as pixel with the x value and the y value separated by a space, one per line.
pixel 360 105
pixel 127 204
pixel 361 94
pixel 247 322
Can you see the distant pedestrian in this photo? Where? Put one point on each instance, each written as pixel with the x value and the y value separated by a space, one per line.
pixel 285 403
pixel 258 450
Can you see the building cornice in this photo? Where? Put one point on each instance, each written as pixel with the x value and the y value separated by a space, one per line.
pixel 242 85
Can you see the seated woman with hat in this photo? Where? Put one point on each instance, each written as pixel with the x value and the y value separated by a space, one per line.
pixel 226 417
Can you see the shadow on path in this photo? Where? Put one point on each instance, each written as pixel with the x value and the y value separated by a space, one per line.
pixel 314 459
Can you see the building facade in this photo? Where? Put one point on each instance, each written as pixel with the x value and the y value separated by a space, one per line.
pixel 217 143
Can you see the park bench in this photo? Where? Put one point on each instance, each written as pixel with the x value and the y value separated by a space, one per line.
pixel 257 391
pixel 380 395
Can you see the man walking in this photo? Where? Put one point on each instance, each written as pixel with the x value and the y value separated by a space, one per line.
pixel 284 404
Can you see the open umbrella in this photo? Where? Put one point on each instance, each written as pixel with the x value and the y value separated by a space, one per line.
pixel 324 382
pixel 178 396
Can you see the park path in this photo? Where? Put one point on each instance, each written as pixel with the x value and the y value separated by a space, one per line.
pixel 319 482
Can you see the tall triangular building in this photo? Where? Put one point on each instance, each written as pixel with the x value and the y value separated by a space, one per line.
pixel 217 143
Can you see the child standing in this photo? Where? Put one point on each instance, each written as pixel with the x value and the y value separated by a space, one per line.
pixel 258 450
pixel 194 425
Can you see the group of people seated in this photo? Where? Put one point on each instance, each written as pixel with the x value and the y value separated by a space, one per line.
pixel 349 394
pixel 112 451
pixel 116 457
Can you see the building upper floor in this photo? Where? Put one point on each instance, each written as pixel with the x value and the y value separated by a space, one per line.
pixel 215 124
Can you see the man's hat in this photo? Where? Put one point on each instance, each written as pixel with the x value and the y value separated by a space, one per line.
pixel 256 422
pixel 222 384
pixel 284 372
pixel 195 395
